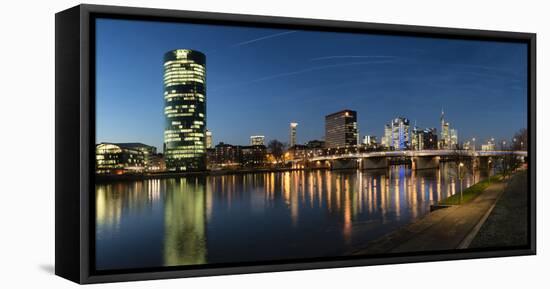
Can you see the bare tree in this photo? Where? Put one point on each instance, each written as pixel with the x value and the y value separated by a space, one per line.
pixel 520 139
pixel 509 162
pixel 277 149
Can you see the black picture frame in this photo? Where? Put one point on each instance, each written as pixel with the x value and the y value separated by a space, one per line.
pixel 75 136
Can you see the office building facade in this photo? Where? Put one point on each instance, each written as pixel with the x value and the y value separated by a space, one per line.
pixel 208 139
pixel 147 150
pixel 341 129
pixel 117 159
pixel 369 140
pixel 386 139
pixel 425 139
pixel 226 154
pixel 449 136
pixel 396 134
pixel 293 127
pixel 185 110
pixel 453 139
pixel 253 155
pixel 257 140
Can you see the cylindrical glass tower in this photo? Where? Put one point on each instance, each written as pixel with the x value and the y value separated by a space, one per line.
pixel 185 110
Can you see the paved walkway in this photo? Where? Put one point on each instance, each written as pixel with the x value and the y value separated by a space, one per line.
pixel 444 229
pixel 508 223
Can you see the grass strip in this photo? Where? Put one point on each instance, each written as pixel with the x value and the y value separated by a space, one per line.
pixel 471 192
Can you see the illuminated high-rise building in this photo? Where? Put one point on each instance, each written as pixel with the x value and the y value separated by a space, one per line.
pixel 185 110
pixel 449 137
pixel 429 139
pixel 416 138
pixel 257 140
pixel 425 139
pixel 400 133
pixel 453 139
pixel 444 139
pixel 369 140
pixel 208 139
pixel 341 129
pixel 396 134
pixel 386 139
pixel 293 126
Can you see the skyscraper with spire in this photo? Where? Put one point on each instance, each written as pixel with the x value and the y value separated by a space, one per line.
pixel 444 140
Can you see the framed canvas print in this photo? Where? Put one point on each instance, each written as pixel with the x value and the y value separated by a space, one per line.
pixel 192 144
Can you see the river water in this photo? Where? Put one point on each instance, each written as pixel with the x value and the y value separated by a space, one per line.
pixel 261 216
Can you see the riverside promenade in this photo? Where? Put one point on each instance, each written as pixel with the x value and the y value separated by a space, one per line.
pixel 509 221
pixel 454 227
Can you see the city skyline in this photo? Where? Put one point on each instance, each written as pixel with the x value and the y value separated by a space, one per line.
pixel 343 143
pixel 357 77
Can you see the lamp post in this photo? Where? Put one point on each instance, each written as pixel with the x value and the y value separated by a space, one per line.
pixel 474 159
pixel 460 177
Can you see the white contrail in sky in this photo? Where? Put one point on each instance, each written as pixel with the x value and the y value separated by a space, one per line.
pixel 487 68
pixel 352 56
pixel 262 38
pixel 314 68
pixel 319 68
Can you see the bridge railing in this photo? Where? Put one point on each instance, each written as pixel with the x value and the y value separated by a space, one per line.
pixel 420 153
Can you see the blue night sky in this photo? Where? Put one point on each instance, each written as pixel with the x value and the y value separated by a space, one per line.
pixel 259 80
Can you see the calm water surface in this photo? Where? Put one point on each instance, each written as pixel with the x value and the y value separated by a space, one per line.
pixel 260 216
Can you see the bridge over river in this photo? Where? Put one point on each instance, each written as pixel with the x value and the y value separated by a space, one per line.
pixel 421 159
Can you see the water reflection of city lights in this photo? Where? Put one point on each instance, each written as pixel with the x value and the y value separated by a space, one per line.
pixel 354 204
